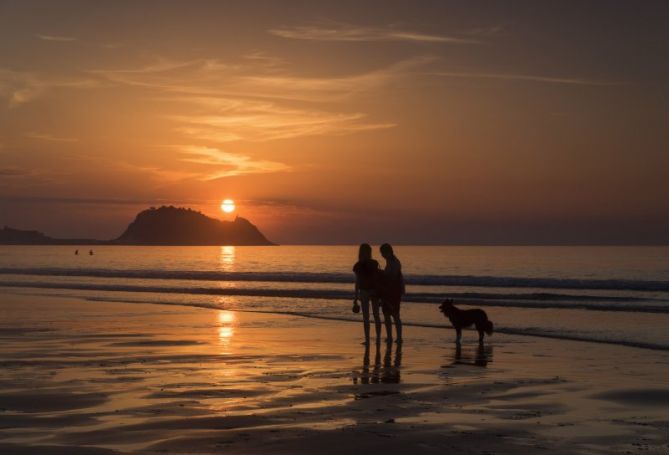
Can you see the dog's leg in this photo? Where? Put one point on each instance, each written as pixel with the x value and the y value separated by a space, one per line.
pixel 458 334
pixel 481 334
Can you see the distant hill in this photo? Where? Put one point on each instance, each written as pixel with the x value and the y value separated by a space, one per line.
pixel 158 226
pixel 10 236
pixel 181 226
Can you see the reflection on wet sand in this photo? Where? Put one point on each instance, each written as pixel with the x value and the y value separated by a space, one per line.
pixel 480 356
pixel 386 373
pixel 154 379
pixel 226 330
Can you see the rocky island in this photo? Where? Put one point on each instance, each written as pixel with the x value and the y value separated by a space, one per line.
pixel 181 226
pixel 165 225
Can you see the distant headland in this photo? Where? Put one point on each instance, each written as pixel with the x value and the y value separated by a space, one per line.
pixel 165 225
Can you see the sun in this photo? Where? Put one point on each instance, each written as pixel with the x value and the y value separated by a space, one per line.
pixel 228 205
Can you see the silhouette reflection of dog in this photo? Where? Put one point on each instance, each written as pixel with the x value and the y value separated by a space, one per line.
pixel 480 357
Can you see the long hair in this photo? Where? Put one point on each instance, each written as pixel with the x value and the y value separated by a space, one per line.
pixel 365 252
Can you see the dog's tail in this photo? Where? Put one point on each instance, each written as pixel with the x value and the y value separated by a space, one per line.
pixel 488 327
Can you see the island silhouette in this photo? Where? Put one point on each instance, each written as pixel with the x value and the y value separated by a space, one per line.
pixel 166 225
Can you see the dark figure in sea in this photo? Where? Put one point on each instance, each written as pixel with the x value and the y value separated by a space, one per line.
pixel 464 318
pixel 90 252
pixel 366 271
pixel 391 289
pixel 76 252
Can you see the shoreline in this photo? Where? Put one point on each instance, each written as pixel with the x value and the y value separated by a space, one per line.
pixel 517 331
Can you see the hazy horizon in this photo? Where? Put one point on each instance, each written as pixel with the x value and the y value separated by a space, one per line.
pixel 374 242
pixel 439 123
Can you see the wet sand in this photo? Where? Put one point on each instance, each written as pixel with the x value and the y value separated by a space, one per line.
pixel 81 377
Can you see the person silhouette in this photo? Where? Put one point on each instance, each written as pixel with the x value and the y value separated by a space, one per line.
pixel 391 288
pixel 365 271
pixel 76 252
pixel 90 252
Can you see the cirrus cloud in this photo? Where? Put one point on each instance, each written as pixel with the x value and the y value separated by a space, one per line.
pixel 220 164
pixel 359 34
pixel 241 119
pixel 50 137
pixel 523 77
pixel 20 87
pixel 55 38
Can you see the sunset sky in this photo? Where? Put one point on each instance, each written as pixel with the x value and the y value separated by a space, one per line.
pixel 340 122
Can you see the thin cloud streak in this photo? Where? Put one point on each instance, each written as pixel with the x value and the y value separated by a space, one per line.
pixel 349 33
pixel 333 88
pixel 157 173
pixel 238 119
pixel 160 66
pixel 207 76
pixel 254 105
pixel 71 39
pixel 20 87
pixel 55 38
pixel 523 77
pixel 225 164
pixel 50 137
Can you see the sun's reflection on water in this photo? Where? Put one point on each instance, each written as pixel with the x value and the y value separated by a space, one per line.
pixel 226 317
pixel 227 258
pixel 226 329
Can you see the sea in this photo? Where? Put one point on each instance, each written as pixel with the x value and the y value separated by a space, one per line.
pixel 614 295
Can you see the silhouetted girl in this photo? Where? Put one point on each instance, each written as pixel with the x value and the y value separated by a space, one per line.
pixel 391 289
pixel 366 270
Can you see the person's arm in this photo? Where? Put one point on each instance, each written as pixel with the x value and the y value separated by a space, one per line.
pixel 356 291
pixel 394 269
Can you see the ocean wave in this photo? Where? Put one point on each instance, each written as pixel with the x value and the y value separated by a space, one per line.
pixel 528 300
pixel 304 277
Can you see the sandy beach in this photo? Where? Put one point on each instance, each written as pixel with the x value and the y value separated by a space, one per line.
pixel 90 377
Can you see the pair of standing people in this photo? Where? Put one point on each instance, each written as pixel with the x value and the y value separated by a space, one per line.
pixel 379 288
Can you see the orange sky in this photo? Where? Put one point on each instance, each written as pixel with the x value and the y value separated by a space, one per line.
pixel 448 122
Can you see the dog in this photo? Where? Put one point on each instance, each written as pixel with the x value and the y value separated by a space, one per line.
pixel 464 318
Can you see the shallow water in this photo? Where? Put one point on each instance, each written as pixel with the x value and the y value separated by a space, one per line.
pixel 617 295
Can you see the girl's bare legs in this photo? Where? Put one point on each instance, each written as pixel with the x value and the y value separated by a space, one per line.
pixel 365 315
pixel 398 326
pixel 377 318
pixel 389 325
